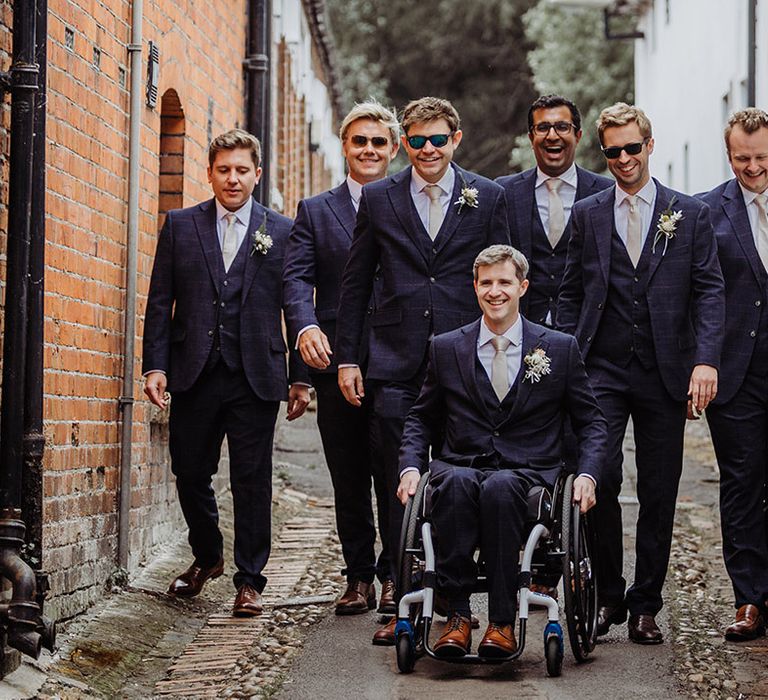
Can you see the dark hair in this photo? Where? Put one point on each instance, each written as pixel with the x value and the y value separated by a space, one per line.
pixel 549 101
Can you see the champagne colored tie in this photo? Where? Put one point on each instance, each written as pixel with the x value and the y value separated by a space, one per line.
pixel 499 373
pixel 634 233
pixel 229 243
pixel 762 227
pixel 435 210
pixel 556 223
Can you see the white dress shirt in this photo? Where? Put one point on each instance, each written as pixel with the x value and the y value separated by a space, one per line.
pixel 421 199
pixel 646 201
pixel 752 211
pixel 567 194
pixel 243 219
pixel 355 191
pixel 486 351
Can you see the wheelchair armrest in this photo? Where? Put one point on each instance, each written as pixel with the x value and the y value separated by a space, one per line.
pixel 539 505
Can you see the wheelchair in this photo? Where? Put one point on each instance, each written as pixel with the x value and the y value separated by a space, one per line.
pixel 560 544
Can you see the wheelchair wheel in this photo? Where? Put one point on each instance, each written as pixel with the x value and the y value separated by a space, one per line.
pixel 410 538
pixel 579 576
pixel 553 652
pixel 406 652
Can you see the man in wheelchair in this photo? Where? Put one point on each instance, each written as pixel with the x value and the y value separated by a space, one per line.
pixel 497 397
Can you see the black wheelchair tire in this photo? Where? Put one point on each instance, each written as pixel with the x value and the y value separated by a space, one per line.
pixel 409 536
pixel 554 656
pixel 406 654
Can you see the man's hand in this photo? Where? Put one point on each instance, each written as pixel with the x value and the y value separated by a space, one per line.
pixel 407 486
pixel 315 349
pixel 584 493
pixel 703 387
pixel 154 388
pixel 351 385
pixel 298 400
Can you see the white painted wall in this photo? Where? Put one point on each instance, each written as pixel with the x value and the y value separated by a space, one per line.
pixel 690 76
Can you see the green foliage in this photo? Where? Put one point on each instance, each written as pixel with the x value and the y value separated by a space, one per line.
pixel 572 57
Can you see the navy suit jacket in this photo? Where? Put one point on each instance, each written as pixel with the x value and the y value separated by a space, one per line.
pixel 685 293
pixel 530 435
pixel 317 251
pixel 183 299
pixel 744 293
pixel 426 286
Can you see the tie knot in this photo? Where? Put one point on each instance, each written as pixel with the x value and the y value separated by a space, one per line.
pixel 762 201
pixel 632 201
pixel 433 192
pixel 500 343
pixel 553 184
pixel 231 218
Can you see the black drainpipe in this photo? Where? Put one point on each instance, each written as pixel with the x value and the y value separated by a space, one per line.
pixel 24 625
pixel 257 86
pixel 752 54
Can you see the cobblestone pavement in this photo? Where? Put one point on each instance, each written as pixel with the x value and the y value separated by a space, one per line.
pixel 141 643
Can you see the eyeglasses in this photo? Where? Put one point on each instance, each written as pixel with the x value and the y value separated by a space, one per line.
pixel 376 141
pixel 437 140
pixel 559 127
pixel 631 149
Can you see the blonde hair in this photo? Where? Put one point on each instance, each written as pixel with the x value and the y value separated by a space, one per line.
pixel 621 114
pixel 235 138
pixel 375 111
pixel 750 120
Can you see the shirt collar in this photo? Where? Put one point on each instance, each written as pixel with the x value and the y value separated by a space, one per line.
pixel 243 214
pixel 647 194
pixel 749 197
pixel 514 333
pixel 355 189
pixel 569 177
pixel 445 183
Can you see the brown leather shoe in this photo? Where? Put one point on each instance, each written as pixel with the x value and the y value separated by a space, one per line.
pixel 360 597
pixel 644 630
pixel 498 641
pixel 457 638
pixel 441 607
pixel 387 605
pixel 248 602
pixel 385 637
pixel 749 624
pixel 191 582
pixel 608 615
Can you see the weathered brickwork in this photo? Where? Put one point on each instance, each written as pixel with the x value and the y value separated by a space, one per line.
pixel 201 92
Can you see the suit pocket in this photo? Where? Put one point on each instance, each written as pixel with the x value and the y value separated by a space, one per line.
pixel 388 317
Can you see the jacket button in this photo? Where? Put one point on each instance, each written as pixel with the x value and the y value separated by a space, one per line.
pixel 600 305
pixel 495 433
pixel 757 303
pixel 427 314
pixel 215 301
pixel 431 279
pixel 752 334
pixel 210 333
pixel 637 279
pixel 370 309
pixel 434 251
pixel 589 338
pixel 226 283
pixel 221 327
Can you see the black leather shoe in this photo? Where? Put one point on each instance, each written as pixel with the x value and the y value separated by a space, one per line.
pixel 608 615
pixel 644 630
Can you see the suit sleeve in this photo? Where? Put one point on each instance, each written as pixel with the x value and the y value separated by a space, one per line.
pixel 424 421
pixel 570 297
pixel 587 419
pixel 356 288
pixel 499 232
pixel 299 275
pixel 157 319
pixel 708 292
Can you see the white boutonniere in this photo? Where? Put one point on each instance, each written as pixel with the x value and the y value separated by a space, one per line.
pixel 537 365
pixel 262 241
pixel 468 196
pixel 666 226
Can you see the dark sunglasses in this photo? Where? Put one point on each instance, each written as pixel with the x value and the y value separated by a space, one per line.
pixel 559 127
pixel 437 140
pixel 631 149
pixel 376 141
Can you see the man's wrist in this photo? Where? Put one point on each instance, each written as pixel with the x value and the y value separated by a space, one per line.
pixel 589 476
pixel 346 366
pixel 153 371
pixel 405 470
pixel 299 334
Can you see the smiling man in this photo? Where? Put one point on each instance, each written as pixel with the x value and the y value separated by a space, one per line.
pixel 213 338
pixel 317 251
pixel 643 294
pixel 419 231
pixel 499 424
pixel 539 200
pixel 738 418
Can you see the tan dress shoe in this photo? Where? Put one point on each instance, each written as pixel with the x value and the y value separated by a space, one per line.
pixel 457 638
pixel 385 637
pixel 498 641
pixel 191 582
pixel 749 624
pixel 248 602
pixel 644 630
pixel 387 604
pixel 360 597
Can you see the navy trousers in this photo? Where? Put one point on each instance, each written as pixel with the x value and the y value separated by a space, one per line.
pixel 221 403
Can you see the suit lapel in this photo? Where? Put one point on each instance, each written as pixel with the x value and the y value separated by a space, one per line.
pixel 340 203
pixel 531 341
pixel 736 211
pixel 205 223
pixel 663 198
pixel 466 359
pixel 254 260
pixel 584 183
pixel 601 217
pixel 399 193
pixel 524 196
pixel 452 216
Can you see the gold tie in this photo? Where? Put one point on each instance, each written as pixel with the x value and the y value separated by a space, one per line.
pixel 556 222
pixel 634 233
pixel 762 227
pixel 229 242
pixel 435 210
pixel 499 373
